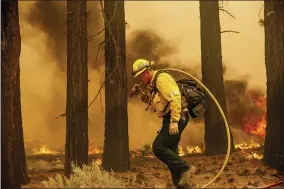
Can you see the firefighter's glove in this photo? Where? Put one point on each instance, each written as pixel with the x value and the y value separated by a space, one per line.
pixel 144 97
pixel 135 90
pixel 173 128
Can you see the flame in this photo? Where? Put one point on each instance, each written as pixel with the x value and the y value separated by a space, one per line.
pixel 249 146
pixel 256 124
pixel 98 161
pixel 254 155
pixel 246 146
pixel 182 151
pixel 94 149
pixel 189 150
pixel 45 151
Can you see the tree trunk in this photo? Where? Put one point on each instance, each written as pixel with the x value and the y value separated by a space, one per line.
pixel 116 144
pixel 76 148
pixel 274 61
pixel 14 169
pixel 212 76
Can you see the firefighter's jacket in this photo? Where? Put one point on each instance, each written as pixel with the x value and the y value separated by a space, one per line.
pixel 168 92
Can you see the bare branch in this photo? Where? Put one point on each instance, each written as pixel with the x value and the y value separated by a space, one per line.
pixel 101 97
pixel 230 14
pixel 260 11
pixel 108 25
pixel 102 86
pixel 98 33
pixel 112 17
pixel 115 44
pixel 62 115
pixel 229 31
pixel 100 48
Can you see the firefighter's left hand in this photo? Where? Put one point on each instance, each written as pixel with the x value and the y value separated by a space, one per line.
pixel 173 128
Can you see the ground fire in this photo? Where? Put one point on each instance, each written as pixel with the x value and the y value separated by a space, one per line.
pixel 146 152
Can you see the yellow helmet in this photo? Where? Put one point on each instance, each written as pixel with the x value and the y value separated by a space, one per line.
pixel 140 65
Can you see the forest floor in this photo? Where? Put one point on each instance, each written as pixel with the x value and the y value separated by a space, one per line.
pixel 240 172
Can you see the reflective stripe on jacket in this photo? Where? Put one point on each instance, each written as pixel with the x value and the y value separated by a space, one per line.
pixel 169 90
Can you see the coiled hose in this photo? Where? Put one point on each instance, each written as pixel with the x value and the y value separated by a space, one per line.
pixel 224 119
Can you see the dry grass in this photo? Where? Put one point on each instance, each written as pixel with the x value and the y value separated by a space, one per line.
pixel 91 176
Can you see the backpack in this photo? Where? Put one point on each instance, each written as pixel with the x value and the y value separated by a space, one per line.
pixel 191 91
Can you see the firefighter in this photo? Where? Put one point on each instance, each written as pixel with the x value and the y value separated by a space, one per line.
pixel 168 105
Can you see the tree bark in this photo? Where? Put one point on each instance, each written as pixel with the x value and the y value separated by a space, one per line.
pixel 14 169
pixel 274 62
pixel 76 148
pixel 212 77
pixel 116 143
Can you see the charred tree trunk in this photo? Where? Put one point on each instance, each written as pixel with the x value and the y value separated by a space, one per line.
pixel 212 76
pixel 76 148
pixel 14 169
pixel 274 61
pixel 116 144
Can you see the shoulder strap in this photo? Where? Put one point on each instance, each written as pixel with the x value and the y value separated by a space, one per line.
pixel 155 79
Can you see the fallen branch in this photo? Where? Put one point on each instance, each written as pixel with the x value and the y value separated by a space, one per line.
pixel 230 14
pixel 229 31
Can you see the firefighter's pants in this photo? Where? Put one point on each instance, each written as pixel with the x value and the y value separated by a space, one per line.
pixel 165 148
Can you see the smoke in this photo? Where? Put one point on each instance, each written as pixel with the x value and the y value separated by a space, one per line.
pixel 43 70
pixel 43 78
pixel 50 18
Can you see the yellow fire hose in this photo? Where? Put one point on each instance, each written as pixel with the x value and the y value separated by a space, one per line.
pixel 223 116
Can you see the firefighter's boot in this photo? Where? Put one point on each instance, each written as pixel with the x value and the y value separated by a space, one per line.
pixel 186 176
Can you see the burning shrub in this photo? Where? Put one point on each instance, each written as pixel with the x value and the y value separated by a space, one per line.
pixel 90 176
